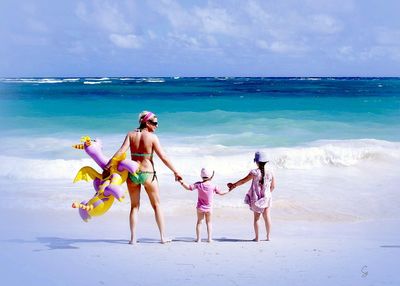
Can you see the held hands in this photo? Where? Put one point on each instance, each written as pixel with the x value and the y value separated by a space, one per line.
pixel 178 177
pixel 231 186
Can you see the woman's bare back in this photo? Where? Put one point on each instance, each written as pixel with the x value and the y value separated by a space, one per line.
pixel 141 146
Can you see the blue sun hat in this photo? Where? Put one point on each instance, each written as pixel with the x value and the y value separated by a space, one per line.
pixel 260 157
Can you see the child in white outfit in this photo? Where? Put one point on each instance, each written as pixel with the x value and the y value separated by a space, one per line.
pixel 259 197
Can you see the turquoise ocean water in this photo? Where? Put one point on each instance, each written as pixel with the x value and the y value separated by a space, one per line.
pixel 318 132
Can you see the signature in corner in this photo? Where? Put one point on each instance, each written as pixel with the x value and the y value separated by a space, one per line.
pixel 364 271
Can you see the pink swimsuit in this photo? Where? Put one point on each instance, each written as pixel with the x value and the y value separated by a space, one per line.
pixel 206 192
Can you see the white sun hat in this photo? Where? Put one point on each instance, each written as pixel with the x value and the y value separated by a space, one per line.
pixel 206 174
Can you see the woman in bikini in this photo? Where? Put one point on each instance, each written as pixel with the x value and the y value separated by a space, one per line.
pixel 143 143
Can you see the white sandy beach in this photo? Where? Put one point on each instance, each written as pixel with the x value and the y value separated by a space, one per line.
pixel 348 238
pixel 315 85
pixel 57 248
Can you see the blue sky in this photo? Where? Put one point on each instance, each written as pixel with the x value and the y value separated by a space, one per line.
pixel 200 38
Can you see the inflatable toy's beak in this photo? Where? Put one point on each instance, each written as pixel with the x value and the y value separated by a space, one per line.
pixel 78 146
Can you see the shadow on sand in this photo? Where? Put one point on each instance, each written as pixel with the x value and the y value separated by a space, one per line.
pixel 53 243
pixel 224 239
pixel 193 240
pixel 221 239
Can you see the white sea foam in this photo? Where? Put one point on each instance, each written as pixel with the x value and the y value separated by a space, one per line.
pixel 17 80
pixel 337 195
pixel 20 168
pixel 57 156
pixel 154 80
pixel 335 153
pixel 35 80
pixel 50 80
pixel 348 175
pixel 306 78
pixel 92 82
pixel 71 79
pixel 97 78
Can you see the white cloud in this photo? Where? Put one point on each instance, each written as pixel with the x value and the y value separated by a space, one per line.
pixel 152 35
pixel 112 20
pixel 128 41
pixel 81 10
pixel 381 52
pixel 30 40
pixel 211 41
pixel 325 24
pixel 247 26
pixel 387 37
pixel 178 17
pixel 109 17
pixel 216 21
pixel 257 13
pixel 206 20
pixel 188 28
pixel 197 43
pixel 36 25
pixel 280 47
pixel 76 48
pixel 385 45
pixel 346 50
pixel 32 18
pixel 342 6
pixel 185 40
pixel 346 53
pixel 262 44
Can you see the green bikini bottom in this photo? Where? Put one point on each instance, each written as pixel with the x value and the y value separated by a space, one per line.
pixel 140 177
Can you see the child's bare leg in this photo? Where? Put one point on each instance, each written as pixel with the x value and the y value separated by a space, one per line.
pixel 200 217
pixel 256 219
pixel 209 226
pixel 267 220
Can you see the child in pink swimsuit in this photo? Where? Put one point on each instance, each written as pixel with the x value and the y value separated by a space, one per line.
pixel 259 196
pixel 206 192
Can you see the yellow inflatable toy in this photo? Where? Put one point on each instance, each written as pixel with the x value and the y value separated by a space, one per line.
pixel 107 189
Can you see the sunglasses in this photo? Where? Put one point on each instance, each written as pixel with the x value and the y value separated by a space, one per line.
pixel 153 123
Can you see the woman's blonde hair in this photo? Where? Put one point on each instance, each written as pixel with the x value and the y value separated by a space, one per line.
pixel 143 115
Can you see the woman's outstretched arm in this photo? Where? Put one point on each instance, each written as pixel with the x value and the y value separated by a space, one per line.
pixel 231 186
